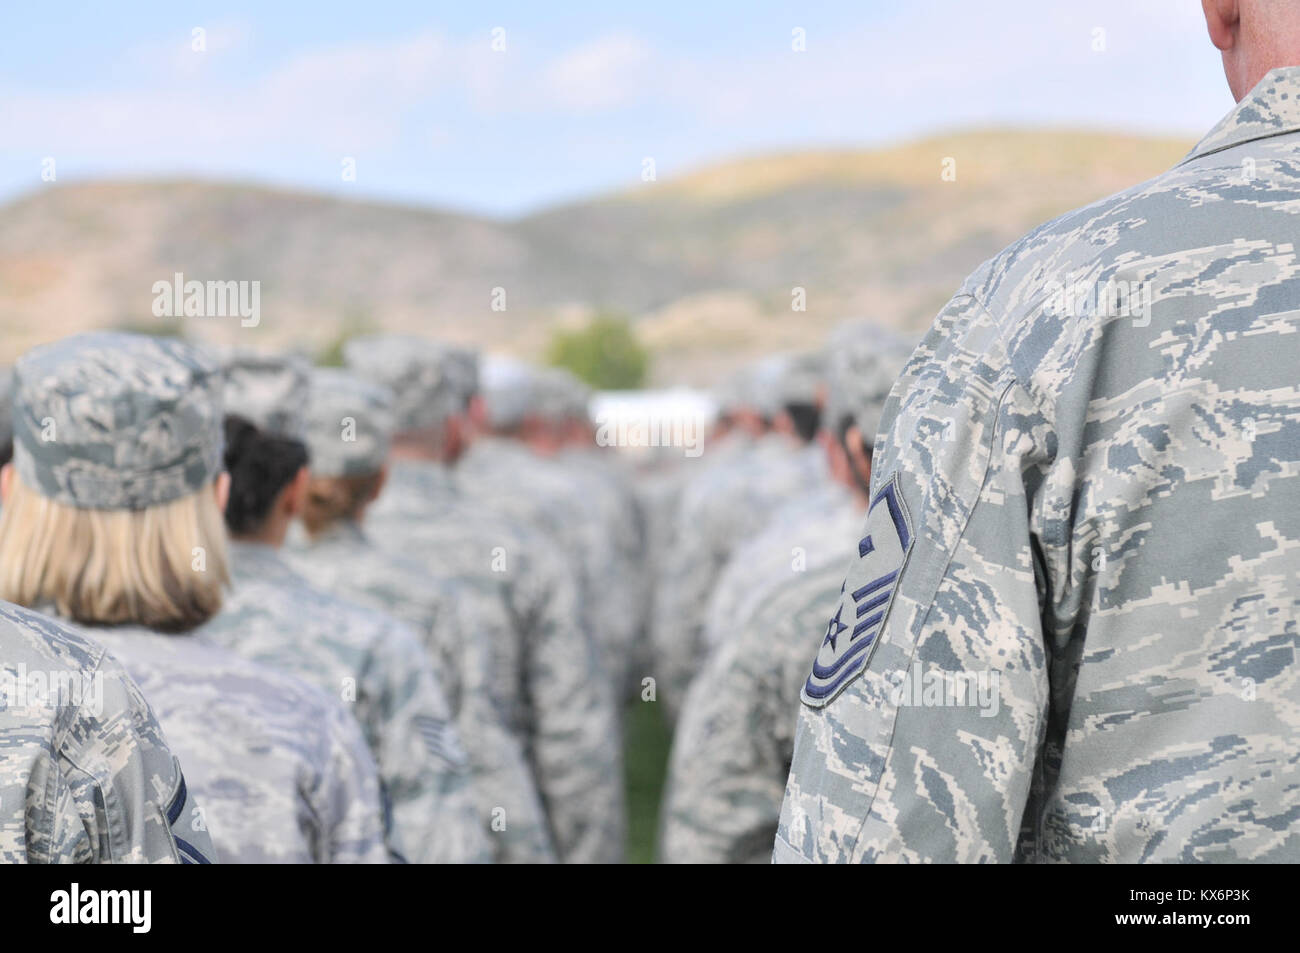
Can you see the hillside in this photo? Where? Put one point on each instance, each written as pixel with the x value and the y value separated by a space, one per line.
pixel 704 263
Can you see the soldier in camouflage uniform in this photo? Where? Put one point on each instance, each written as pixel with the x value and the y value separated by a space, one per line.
pixel 118 435
pixel 782 547
pixel 794 537
pixel 732 748
pixel 86 776
pixel 370 659
pixel 529 663
pixel 612 536
pixel 344 556
pixel 721 509
pixel 517 439
pixel 661 489
pixel 1085 496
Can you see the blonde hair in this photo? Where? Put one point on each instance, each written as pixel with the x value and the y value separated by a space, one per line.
pixel 331 499
pixel 111 567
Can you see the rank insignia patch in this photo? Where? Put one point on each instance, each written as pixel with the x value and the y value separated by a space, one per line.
pixel 864 600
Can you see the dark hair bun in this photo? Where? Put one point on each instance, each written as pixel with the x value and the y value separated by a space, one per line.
pixel 260 465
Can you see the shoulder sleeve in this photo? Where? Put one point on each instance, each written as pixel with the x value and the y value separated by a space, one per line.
pixel 120 780
pixel 348 804
pixel 726 772
pixel 573 721
pixel 925 707
pixel 423 764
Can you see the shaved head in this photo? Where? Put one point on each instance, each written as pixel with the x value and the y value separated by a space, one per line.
pixel 1254 36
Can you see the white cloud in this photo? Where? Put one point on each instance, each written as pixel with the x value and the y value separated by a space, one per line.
pixel 394 104
pixel 602 74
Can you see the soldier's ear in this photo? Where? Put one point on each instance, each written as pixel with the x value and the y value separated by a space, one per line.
pixel 380 483
pixel 1221 19
pixel 859 456
pixel 293 495
pixel 221 488
pixel 476 412
pixel 6 482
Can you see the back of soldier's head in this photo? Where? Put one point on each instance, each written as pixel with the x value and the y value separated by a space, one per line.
pixel 350 425
pixel 266 397
pixel 112 514
pixel 432 384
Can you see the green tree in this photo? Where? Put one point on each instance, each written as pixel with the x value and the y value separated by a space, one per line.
pixel 605 354
pixel 355 324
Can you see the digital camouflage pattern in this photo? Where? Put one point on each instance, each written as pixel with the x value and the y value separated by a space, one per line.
pixel 85 772
pixel 281 769
pixel 720 509
pixel 540 676
pixel 377 666
pixel 109 420
pixel 570 740
pixel 548 494
pixel 803 378
pixel 429 380
pixel 269 390
pixel 1099 505
pixel 623 578
pixel 735 738
pixel 609 523
pixel 349 424
pixel 346 559
pixel 801 533
pixel 865 360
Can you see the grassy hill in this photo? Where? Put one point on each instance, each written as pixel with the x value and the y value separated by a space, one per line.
pixel 705 263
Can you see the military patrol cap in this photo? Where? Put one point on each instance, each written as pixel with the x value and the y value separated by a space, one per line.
pixel 802 378
pixel 110 420
pixel 460 373
pixel 509 391
pixel 764 384
pixel 349 424
pixel 865 360
pixel 560 395
pixel 429 380
pixel 268 389
pixel 733 393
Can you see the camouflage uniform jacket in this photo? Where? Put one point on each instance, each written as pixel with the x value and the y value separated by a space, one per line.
pixel 347 559
pixel 529 661
pixel 380 670
pixel 85 773
pixel 280 769
pixel 803 533
pixel 735 738
pixel 728 505
pixel 1086 514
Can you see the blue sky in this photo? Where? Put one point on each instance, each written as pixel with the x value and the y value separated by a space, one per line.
pixel 582 92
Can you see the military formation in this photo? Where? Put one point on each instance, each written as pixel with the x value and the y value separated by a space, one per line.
pixel 1024 590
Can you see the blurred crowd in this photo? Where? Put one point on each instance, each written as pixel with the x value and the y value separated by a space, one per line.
pixel 395 611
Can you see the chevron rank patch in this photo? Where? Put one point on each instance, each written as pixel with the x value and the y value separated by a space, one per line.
pixel 865 598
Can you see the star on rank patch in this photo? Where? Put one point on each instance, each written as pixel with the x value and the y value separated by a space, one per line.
pixel 865 598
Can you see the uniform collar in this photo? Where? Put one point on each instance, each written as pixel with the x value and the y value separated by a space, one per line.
pixel 250 560
pixel 1272 108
